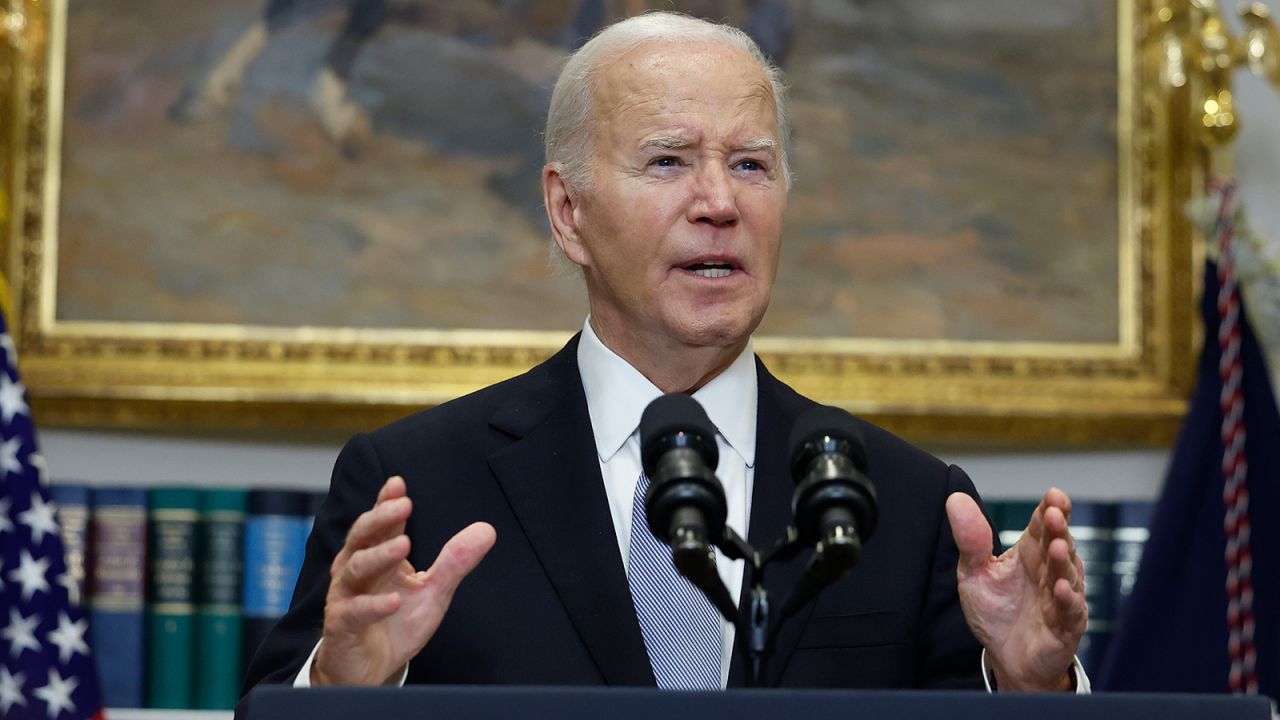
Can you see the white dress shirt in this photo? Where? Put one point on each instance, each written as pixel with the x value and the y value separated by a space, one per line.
pixel 617 395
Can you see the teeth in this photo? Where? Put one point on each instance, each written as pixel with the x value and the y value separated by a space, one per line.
pixel 713 272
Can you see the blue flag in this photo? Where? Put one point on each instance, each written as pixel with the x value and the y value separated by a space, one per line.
pixel 46 671
pixel 1175 633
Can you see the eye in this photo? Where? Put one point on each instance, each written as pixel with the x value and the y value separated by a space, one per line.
pixel 751 166
pixel 665 161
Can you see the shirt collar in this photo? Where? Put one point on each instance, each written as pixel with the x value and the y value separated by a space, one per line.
pixel 617 394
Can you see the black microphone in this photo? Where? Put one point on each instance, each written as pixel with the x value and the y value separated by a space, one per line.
pixel 685 504
pixel 835 505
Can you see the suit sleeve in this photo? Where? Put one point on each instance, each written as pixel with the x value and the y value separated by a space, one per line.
pixel 950 656
pixel 357 478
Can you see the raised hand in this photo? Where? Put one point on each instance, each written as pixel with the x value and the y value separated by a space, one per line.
pixel 1027 606
pixel 380 612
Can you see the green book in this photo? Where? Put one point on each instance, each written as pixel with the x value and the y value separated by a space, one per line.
pixel 171 528
pixel 219 614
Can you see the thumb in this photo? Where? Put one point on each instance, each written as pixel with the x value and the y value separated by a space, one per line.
pixel 460 556
pixel 970 529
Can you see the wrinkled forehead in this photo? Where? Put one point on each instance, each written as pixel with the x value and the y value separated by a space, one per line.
pixel 657 80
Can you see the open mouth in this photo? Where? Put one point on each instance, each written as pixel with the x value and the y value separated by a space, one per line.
pixel 711 269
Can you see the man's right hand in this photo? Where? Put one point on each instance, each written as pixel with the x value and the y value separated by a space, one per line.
pixel 380 612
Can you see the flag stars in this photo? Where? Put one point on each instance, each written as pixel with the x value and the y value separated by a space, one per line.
pixel 69 637
pixel 10 350
pixel 37 461
pixel 30 573
pixel 21 633
pixel 9 462
pixel 10 690
pixel 6 525
pixel 57 694
pixel 68 581
pixel 12 399
pixel 39 518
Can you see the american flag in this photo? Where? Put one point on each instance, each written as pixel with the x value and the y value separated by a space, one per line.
pixel 46 671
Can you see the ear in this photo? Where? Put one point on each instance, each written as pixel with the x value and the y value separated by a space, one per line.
pixel 562 211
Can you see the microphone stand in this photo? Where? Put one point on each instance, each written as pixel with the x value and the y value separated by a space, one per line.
pixel 756 625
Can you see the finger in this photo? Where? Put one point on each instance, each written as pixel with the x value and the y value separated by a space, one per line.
pixel 1053 498
pixel 353 614
pixel 459 557
pixel 970 530
pixel 394 487
pixel 1059 499
pixel 1054 526
pixel 1061 565
pixel 383 521
pixel 1070 604
pixel 366 567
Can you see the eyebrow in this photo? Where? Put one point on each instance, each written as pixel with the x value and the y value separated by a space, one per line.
pixel 670 142
pixel 759 144
pixel 666 142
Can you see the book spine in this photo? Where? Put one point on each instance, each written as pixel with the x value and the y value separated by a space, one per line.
pixel 73 503
pixel 172 515
pixel 117 580
pixel 1092 527
pixel 1133 522
pixel 274 544
pixel 219 623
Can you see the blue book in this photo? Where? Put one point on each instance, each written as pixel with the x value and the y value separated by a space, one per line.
pixel 73 502
pixel 117 585
pixel 275 536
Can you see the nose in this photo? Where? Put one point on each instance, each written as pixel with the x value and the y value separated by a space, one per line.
pixel 714 201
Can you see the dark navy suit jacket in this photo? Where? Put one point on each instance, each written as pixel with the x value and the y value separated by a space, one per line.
pixel 550 605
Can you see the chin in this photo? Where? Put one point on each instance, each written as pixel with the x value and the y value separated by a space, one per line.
pixel 706 329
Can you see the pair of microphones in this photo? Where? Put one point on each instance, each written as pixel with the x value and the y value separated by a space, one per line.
pixel 834 505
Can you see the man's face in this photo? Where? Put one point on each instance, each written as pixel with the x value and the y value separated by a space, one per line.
pixel 680 225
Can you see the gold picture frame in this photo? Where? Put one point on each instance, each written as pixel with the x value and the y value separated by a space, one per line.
pixel 158 375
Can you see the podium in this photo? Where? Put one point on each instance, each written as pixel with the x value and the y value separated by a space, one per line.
pixel 428 702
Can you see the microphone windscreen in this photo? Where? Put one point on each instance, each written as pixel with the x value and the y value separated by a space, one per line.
pixel 676 413
pixel 826 421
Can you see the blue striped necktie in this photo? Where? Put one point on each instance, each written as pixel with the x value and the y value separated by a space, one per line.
pixel 681 629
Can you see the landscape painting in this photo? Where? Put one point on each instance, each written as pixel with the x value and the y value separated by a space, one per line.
pixel 375 164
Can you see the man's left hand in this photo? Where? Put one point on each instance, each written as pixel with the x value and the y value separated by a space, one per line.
pixel 1027 606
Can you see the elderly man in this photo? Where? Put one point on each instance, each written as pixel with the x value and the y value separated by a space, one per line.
pixel 666 181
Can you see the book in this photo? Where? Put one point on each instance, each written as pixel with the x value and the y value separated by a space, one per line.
pixel 117 581
pixel 73 502
pixel 1092 526
pixel 219 614
pixel 275 534
pixel 1133 523
pixel 171 531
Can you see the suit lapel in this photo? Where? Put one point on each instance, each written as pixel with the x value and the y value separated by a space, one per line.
pixel 771 514
pixel 551 478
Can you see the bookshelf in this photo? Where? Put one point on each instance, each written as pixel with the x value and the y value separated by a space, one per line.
pixel 140 459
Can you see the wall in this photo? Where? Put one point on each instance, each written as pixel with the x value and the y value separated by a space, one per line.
pixel 151 459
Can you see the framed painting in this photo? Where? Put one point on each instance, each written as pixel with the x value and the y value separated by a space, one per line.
pixel 326 213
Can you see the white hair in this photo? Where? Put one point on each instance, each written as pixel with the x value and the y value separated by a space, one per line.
pixel 568 131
